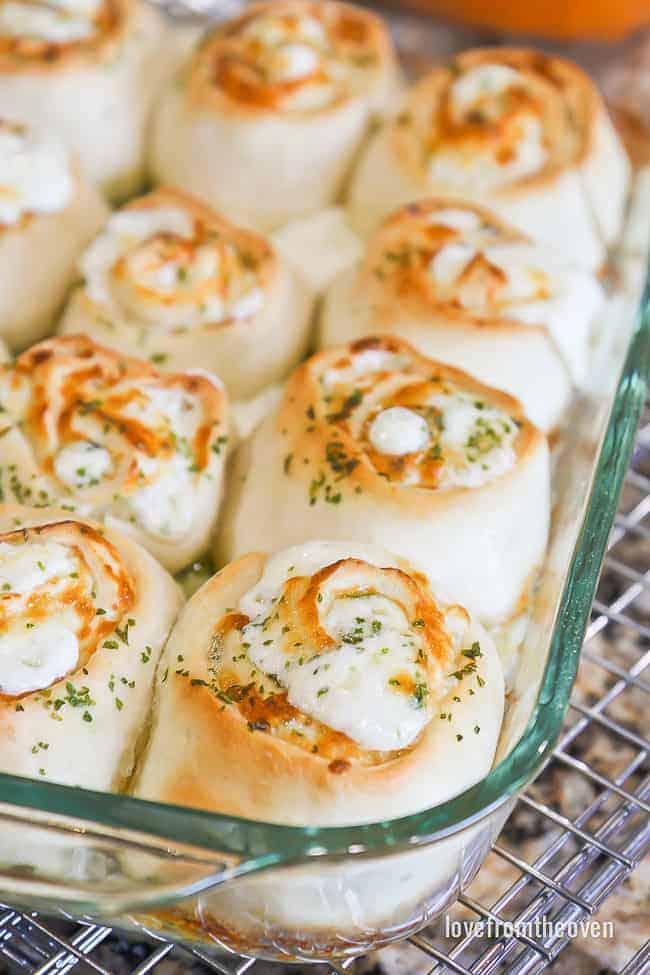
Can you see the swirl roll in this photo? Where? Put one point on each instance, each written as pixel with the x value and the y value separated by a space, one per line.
pixel 84 614
pixel 472 291
pixel 267 115
pixel 374 442
pixel 112 438
pixel 47 209
pixel 85 72
pixel 170 280
pixel 311 688
pixel 526 130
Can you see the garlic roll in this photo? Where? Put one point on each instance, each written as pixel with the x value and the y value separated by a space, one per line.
pixel 112 438
pixel 85 72
pixel 48 213
pixel 374 442
pixel 170 280
pixel 267 115
pixel 83 616
pixel 322 685
pixel 526 131
pixel 472 291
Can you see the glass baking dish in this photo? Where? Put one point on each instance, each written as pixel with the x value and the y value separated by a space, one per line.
pixel 317 893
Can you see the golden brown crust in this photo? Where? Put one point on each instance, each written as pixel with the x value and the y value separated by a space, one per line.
pixel 270 772
pixel 85 727
pixel 298 615
pixel 559 93
pixel 395 281
pixel 252 250
pixel 22 55
pixel 254 245
pixel 101 575
pixel 225 75
pixel 63 380
pixel 318 436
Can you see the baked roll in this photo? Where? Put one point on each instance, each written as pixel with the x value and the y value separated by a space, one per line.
pixel 170 280
pixel 84 614
pixel 267 115
pixel 525 130
pixel 374 442
pixel 110 437
pixel 48 213
pixel 472 291
pixel 85 72
pixel 323 685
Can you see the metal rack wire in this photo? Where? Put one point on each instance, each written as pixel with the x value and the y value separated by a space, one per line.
pixel 574 838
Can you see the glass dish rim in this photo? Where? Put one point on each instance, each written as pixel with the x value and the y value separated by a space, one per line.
pixel 260 844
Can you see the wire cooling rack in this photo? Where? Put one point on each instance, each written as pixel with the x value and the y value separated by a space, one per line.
pixel 576 835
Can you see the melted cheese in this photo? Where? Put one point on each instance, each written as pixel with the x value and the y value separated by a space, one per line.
pixel 270 30
pixel 31 660
pixel 516 150
pixel 82 464
pixel 55 22
pixel 450 262
pixel 462 220
pixel 433 432
pixel 359 686
pixel 528 283
pixel 35 653
pixel 164 505
pixel 487 81
pixel 398 430
pixel 35 176
pixel 477 441
pixel 293 61
pixel 362 364
pixel 137 448
pixel 148 267
pixel 25 567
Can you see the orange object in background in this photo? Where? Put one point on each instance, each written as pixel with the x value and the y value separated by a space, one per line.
pixel 608 20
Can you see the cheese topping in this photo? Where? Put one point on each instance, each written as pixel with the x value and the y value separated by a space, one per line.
pixel 477 441
pixel 62 589
pixel 297 57
pixel 82 463
pixel 367 362
pixel 489 99
pixel 355 648
pixel 461 220
pixel 459 440
pixel 23 568
pixel 163 506
pixel 415 423
pixel 57 21
pixel 112 435
pixel 459 259
pixel 35 176
pixel 166 270
pixel 398 431
pixel 490 120
pixel 31 661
